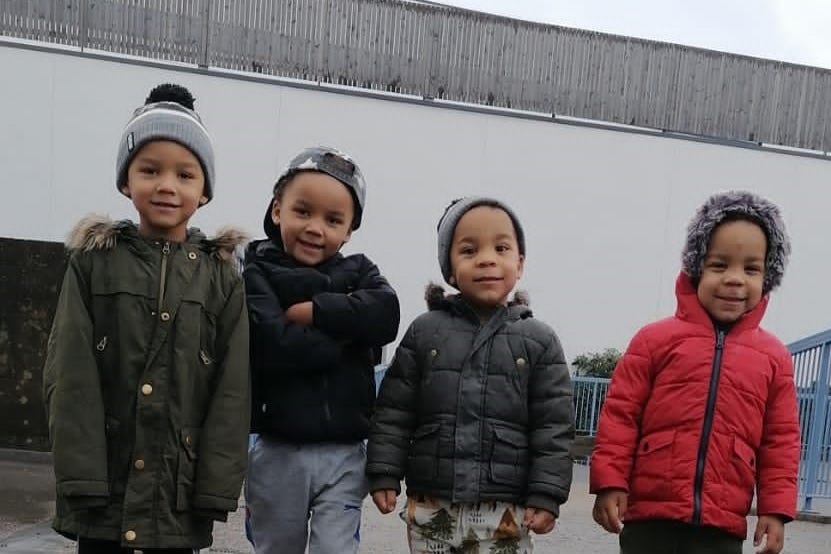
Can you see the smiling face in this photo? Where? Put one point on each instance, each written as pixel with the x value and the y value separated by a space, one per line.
pixel 314 212
pixel 733 273
pixel 166 182
pixel 485 258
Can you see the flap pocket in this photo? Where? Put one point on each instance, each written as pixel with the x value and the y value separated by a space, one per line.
pixel 510 436
pixel 744 452
pixel 190 441
pixel 656 441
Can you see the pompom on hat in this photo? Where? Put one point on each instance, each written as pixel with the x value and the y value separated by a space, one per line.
pixel 167 114
pixel 737 205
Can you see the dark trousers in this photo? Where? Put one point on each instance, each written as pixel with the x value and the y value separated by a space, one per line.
pixel 676 537
pixel 94 546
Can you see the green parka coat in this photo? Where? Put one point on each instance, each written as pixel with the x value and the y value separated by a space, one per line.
pixel 147 387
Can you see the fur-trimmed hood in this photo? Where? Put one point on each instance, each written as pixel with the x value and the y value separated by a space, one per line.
pixel 438 299
pixel 97 232
pixel 743 204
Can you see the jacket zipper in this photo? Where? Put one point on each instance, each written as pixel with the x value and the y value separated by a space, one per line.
pixel 327 413
pixel 165 254
pixel 708 427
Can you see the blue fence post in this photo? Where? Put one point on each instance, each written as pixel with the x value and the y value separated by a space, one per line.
pixel 813 456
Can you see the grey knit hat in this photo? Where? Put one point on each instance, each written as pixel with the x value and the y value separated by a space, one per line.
pixel 326 160
pixel 721 206
pixel 454 212
pixel 166 120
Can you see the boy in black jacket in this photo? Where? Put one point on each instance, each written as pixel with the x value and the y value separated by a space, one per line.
pixel 318 322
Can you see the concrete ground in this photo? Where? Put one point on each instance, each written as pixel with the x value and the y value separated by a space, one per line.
pixel 26 503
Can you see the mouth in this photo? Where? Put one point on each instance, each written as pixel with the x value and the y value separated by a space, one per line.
pixel 731 300
pixel 165 205
pixel 487 279
pixel 309 245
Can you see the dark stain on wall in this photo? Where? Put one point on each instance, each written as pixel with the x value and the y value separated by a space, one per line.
pixel 31 273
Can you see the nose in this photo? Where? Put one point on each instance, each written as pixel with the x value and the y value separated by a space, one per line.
pixel 314 226
pixel 734 276
pixel 486 258
pixel 166 182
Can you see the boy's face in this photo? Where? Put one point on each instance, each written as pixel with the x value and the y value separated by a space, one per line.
pixel 734 270
pixel 315 216
pixel 165 181
pixel 484 257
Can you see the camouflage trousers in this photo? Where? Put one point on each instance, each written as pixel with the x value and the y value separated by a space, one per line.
pixel 436 526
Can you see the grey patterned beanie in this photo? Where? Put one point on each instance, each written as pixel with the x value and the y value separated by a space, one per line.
pixel 166 120
pixel 454 212
pixel 326 160
pixel 721 206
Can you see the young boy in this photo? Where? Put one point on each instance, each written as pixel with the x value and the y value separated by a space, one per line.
pixel 702 405
pixel 318 322
pixel 146 379
pixel 475 411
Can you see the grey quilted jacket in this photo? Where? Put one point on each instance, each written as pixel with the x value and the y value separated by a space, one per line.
pixel 472 411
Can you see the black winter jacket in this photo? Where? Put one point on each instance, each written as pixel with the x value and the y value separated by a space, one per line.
pixel 472 412
pixel 316 383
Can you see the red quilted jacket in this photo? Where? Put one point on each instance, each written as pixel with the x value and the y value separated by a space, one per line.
pixel 695 417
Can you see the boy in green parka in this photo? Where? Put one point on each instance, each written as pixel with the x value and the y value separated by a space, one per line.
pixel 146 379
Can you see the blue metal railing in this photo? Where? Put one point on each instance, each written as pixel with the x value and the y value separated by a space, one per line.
pixel 811 357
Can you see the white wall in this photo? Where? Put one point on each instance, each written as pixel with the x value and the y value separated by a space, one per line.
pixel 604 211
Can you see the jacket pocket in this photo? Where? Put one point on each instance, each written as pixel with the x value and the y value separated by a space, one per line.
pixel 739 478
pixel 509 457
pixel 653 468
pixel 186 471
pixel 422 462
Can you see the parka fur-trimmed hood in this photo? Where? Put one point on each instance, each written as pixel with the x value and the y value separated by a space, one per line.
pixel 741 204
pixel 97 232
pixel 438 299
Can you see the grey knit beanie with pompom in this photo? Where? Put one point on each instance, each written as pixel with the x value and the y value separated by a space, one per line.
pixel 744 205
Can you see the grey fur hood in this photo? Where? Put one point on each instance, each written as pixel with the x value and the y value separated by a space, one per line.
pixel 744 204
pixel 97 232
pixel 437 299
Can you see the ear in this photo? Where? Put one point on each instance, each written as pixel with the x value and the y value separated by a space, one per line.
pixel 347 237
pixel 275 211
pixel 125 190
pixel 203 200
pixel 452 280
pixel 520 266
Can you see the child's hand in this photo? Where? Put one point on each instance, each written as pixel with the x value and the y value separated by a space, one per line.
pixel 385 500
pixel 609 509
pixel 773 527
pixel 301 313
pixel 539 521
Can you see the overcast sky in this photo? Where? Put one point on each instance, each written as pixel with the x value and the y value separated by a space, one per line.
pixel 796 31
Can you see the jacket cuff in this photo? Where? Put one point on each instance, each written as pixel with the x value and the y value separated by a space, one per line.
pixel 215 515
pixel 83 488
pixel 544 502
pixel 384 482
pixel 206 502
pixel 78 503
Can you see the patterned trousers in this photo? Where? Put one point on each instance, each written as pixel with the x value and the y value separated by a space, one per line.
pixel 435 526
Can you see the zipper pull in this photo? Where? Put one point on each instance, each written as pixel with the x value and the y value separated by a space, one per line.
pixel 719 339
pixel 166 248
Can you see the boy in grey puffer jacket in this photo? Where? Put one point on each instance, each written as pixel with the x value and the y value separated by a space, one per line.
pixel 475 411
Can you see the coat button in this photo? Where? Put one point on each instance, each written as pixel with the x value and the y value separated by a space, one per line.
pixel 520 362
pixel 191 255
pixel 130 536
pixel 188 440
pixel 147 389
pixel 433 353
pixel 165 316
pixel 139 464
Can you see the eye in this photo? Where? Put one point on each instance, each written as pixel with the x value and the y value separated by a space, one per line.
pixel 335 221
pixel 466 250
pixel 147 169
pixel 186 175
pixel 715 265
pixel 302 212
pixel 753 269
pixel 502 248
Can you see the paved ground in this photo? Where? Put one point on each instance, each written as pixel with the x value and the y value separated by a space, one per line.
pixel 26 503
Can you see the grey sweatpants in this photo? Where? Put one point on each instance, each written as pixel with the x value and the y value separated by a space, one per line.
pixel 315 491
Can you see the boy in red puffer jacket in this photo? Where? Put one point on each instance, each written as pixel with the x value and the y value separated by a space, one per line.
pixel 702 406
